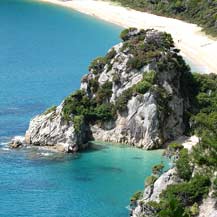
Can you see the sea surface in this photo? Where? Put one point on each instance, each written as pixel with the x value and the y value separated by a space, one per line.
pixel 44 52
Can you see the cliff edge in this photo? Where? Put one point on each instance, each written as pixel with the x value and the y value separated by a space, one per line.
pixel 134 95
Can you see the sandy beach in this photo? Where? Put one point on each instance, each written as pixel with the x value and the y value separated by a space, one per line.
pixel 195 46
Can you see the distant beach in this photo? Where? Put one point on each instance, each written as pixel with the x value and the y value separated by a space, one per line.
pixel 197 47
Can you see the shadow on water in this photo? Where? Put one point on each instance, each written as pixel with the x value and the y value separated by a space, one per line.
pixel 110 169
pixel 83 178
pixel 39 158
pixel 95 147
pixel 137 158
pixel 34 156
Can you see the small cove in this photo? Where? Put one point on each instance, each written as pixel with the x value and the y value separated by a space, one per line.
pixel 45 50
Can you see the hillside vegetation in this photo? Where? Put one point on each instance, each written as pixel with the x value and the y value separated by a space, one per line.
pixel 197 169
pixel 201 12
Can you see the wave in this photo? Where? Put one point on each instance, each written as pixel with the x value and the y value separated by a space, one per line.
pixel 3 143
pixel 5 149
pixel 46 154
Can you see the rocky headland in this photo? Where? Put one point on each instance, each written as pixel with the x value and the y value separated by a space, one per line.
pixel 134 95
pixel 142 93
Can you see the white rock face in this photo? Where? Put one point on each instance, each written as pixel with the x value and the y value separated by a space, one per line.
pixel 208 208
pixel 147 123
pixel 52 130
pixel 152 193
pixel 140 127
pixel 143 125
pixel 168 178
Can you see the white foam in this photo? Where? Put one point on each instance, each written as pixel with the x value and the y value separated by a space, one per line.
pixel 5 149
pixel 4 143
pixel 46 154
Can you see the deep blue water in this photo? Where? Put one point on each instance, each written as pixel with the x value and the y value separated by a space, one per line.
pixel 44 51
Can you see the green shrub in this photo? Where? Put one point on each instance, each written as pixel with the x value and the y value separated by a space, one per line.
pixel 78 121
pixel 150 180
pixel 122 100
pixel 80 108
pixel 214 186
pixel 136 196
pixel 125 33
pixel 51 109
pixel 104 92
pixel 97 65
pixel 175 146
pixel 171 207
pixel 184 168
pixel 150 76
pixel 111 54
pixel 136 62
pixel 77 104
pixel 140 88
pixel 188 192
pixel 194 210
pixel 105 112
pixel 158 169
pixel 94 85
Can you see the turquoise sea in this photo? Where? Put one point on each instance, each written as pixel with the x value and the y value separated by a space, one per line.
pixel 44 51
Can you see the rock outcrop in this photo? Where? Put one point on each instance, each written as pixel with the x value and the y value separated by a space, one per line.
pixel 208 207
pixel 151 194
pixel 50 129
pixel 17 142
pixel 140 79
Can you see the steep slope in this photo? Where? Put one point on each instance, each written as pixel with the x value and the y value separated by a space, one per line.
pixel 190 187
pixel 135 95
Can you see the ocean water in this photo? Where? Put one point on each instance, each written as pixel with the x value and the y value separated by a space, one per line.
pixel 44 51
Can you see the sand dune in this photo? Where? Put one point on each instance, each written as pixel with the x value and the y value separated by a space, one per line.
pixel 196 47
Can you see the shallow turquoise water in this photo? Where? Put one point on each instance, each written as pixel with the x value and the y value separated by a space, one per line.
pixel 44 51
pixel 95 183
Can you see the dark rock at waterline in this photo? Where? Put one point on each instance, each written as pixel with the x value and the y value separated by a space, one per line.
pixel 17 142
pixel 72 148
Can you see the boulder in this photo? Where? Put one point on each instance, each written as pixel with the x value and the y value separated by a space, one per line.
pixel 17 142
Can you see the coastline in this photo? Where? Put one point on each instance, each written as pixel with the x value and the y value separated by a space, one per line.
pixel 195 46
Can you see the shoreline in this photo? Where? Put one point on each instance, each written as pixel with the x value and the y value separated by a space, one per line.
pixel 198 48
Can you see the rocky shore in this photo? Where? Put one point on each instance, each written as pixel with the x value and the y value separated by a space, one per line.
pixel 143 94
pixel 135 83
pixel 152 193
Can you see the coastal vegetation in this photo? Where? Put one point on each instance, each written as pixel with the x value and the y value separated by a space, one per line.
pixel 184 198
pixel 51 109
pixel 203 12
pixel 146 83
pixel 80 105
pixel 96 106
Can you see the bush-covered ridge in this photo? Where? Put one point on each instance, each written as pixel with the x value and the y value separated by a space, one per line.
pixel 143 47
pixel 201 12
pixel 196 169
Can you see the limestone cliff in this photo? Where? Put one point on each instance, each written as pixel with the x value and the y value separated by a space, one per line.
pixel 132 95
pixel 154 199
